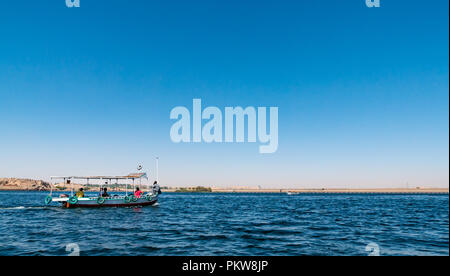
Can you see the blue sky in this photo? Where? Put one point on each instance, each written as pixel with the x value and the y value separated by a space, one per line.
pixel 362 93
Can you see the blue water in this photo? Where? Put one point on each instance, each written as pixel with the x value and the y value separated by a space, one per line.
pixel 230 224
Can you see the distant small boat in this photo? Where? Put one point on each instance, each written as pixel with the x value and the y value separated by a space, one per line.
pixel 292 193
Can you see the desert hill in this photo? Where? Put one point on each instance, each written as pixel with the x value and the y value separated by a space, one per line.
pixel 23 184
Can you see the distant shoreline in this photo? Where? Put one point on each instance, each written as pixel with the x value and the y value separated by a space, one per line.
pixel 330 191
pixel 278 191
pixel 20 184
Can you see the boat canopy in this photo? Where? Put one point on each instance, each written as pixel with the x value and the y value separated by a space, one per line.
pixel 131 176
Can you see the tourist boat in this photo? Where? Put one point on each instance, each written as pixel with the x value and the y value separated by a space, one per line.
pixel 128 200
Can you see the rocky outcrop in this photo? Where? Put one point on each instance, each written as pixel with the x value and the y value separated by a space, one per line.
pixel 19 184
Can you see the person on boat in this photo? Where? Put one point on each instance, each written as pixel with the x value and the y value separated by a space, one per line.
pixel 138 193
pixel 80 193
pixel 105 192
pixel 156 189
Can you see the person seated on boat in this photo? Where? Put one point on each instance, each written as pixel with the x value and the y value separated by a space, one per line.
pixel 80 193
pixel 105 192
pixel 138 193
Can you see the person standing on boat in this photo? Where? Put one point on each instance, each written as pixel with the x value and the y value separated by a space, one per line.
pixel 138 193
pixel 80 193
pixel 156 188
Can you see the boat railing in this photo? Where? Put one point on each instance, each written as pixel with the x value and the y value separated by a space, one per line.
pixel 115 197
pixel 109 181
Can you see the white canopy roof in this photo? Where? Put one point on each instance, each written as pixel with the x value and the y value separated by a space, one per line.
pixel 130 176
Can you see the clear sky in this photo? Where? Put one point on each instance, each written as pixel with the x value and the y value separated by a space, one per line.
pixel 362 93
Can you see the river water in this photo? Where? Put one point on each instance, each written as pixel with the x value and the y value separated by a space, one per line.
pixel 230 224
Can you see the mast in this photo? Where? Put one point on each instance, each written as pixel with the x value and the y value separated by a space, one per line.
pixel 157 170
pixel 139 168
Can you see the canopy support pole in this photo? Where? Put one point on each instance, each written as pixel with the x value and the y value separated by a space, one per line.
pixel 157 170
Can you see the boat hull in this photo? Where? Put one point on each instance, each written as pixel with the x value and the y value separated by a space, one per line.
pixel 93 203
